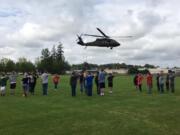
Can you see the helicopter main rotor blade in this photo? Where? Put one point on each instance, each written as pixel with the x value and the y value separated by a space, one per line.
pixel 78 37
pixel 92 35
pixel 102 33
pixel 121 36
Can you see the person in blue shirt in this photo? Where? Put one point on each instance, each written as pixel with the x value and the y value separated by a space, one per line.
pixel 101 80
pixel 161 82
pixel 89 84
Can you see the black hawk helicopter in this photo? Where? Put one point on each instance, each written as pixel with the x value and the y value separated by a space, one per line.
pixel 101 41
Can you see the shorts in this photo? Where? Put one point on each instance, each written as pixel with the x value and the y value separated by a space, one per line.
pixel 3 88
pixel 102 85
pixel 25 87
pixel 12 85
pixel 110 84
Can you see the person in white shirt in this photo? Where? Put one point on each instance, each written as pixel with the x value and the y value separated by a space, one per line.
pixel 44 78
pixel 12 80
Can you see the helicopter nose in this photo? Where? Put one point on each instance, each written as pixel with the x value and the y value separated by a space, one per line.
pixel 118 44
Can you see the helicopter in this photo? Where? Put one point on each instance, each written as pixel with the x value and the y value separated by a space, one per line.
pixel 101 41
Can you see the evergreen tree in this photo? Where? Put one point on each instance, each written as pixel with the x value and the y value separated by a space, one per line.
pixel 54 53
pixel 45 54
pixel 60 53
pixel 46 60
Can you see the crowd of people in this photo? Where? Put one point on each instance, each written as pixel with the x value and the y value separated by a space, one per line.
pixel 85 80
pixel 162 82
pixel 28 82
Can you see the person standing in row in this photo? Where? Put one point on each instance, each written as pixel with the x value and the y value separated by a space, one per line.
pixel 135 81
pixel 25 83
pixel 97 83
pixel 89 84
pixel 139 81
pixel 149 79
pixel 157 82
pixel 110 82
pixel 33 78
pixel 167 82
pixel 44 78
pixel 12 80
pixel 56 79
pixel 3 83
pixel 81 81
pixel 85 75
pixel 101 80
pixel 161 82
pixel 172 81
pixel 73 83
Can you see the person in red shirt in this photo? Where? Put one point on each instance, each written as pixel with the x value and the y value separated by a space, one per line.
pixel 56 79
pixel 139 81
pixel 149 81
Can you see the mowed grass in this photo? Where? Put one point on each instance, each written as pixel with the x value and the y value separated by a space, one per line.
pixel 125 112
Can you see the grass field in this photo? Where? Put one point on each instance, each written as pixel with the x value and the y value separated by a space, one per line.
pixel 125 112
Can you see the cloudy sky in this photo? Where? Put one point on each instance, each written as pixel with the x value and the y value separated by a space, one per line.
pixel 27 26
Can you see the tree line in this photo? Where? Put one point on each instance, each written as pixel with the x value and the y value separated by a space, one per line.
pixel 22 65
pixel 52 61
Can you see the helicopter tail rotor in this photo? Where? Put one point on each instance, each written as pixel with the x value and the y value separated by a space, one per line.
pixel 80 40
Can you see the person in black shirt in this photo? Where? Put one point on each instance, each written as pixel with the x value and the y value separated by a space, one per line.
pixel 167 82
pixel 32 83
pixel 157 82
pixel 25 83
pixel 172 81
pixel 73 83
pixel 97 83
pixel 81 81
pixel 110 82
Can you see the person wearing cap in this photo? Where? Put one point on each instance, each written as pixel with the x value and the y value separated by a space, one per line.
pixel 73 83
